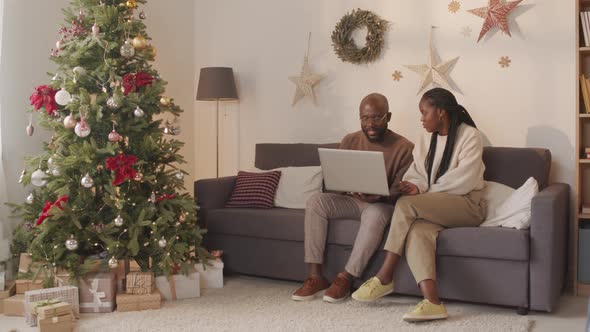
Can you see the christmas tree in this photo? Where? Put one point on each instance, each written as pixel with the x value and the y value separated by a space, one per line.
pixel 108 184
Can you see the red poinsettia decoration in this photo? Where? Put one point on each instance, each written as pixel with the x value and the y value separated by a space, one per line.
pixel 44 96
pixel 165 196
pixel 132 82
pixel 122 164
pixel 48 205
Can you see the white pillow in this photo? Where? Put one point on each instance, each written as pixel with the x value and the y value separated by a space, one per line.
pixel 297 185
pixel 515 210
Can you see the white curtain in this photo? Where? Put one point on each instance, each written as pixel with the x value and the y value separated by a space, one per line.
pixel 4 221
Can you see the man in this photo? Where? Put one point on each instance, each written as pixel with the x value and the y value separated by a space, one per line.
pixel 374 212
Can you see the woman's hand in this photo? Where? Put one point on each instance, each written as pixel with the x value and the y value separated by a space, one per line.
pixel 366 198
pixel 408 188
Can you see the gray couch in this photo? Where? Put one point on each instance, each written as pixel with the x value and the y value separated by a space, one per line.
pixel 519 268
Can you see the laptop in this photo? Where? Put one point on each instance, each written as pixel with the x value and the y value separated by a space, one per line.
pixel 354 171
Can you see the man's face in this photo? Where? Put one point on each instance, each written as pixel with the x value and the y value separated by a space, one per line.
pixel 374 121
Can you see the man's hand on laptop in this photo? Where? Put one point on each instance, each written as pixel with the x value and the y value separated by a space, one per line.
pixel 366 198
pixel 408 188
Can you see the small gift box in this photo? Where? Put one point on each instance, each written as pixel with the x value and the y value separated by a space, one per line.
pixel 97 292
pixel 63 278
pixel 212 274
pixel 133 302
pixel 140 283
pixel 14 306
pixel 50 308
pixel 61 323
pixel 179 286
pixel 67 294
pixel 2 280
pixel 4 294
pixel 25 285
pixel 25 262
pixel 134 267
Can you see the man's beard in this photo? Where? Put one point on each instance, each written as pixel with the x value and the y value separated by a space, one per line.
pixel 380 134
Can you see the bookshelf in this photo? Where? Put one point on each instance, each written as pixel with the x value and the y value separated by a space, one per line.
pixel 582 141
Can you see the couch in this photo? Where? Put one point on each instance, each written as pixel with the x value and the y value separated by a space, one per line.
pixel 518 268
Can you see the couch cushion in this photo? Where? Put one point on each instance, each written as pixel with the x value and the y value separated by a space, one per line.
pixel 287 225
pixel 513 166
pixel 484 242
pixel 271 155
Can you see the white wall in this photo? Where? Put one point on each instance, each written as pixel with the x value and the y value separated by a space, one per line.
pixel 529 104
pixel 30 31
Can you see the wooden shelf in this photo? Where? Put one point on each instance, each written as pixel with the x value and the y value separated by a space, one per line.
pixel 584 215
pixel 585 49
pixel 584 161
pixel 583 289
pixel 584 115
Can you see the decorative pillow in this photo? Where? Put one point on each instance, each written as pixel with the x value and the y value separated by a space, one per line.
pixel 297 185
pixel 254 190
pixel 515 210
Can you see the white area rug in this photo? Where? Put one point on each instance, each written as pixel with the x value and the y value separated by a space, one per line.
pixel 252 304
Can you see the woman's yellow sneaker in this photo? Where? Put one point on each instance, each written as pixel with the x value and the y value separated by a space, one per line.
pixel 425 311
pixel 371 290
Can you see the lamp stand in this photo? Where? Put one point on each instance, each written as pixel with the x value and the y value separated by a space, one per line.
pixel 217 138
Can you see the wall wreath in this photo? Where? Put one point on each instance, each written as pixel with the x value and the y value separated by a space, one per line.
pixel 344 45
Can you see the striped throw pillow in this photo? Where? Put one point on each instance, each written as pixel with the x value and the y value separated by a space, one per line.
pixel 254 190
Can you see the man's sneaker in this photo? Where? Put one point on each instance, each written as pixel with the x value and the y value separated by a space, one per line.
pixel 425 311
pixel 311 287
pixel 371 290
pixel 339 289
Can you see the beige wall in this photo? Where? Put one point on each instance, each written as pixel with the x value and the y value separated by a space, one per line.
pixel 529 104
pixel 30 31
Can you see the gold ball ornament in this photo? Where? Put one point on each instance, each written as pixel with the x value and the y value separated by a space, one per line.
pixel 154 51
pixel 131 4
pixel 165 101
pixel 139 43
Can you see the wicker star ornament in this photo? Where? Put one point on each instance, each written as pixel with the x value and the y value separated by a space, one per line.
pixel 305 81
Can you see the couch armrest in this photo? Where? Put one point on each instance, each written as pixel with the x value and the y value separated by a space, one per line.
pixel 549 225
pixel 213 193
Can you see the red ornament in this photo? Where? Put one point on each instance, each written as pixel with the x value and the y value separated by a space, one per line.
pixel 44 96
pixel 132 82
pixel 123 166
pixel 48 205
pixel 165 196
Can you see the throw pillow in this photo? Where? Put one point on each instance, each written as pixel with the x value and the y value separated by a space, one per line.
pixel 297 185
pixel 254 190
pixel 515 210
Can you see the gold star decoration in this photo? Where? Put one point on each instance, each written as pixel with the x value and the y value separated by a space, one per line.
pixel 495 15
pixel 305 83
pixel 435 71
pixel 306 80
pixel 454 6
pixel 466 31
pixel 397 75
pixel 504 61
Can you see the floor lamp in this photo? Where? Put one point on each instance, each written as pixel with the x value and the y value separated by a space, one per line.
pixel 217 84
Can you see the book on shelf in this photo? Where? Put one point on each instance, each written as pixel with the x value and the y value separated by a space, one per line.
pixel 585 92
pixel 584 21
pixel 585 209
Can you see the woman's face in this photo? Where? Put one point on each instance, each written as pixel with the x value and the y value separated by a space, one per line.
pixel 432 117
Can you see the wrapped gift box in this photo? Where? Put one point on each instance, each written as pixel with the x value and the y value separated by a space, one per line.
pixel 25 262
pixel 134 267
pixel 63 278
pixel 15 306
pixel 25 285
pixel 179 286
pixel 140 283
pixel 61 323
pixel 212 274
pixel 2 280
pixel 8 292
pixel 67 294
pixel 97 292
pixel 50 308
pixel 134 302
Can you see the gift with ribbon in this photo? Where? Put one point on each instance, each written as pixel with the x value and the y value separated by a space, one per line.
pixel 68 294
pixel 61 323
pixel 50 308
pixel 133 302
pixel 140 283
pixel 9 291
pixel 211 273
pixel 97 292
pixel 14 306
pixel 179 286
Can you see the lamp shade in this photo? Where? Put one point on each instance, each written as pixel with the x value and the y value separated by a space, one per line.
pixel 217 83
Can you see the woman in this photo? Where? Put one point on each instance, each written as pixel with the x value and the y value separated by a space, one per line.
pixel 442 188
